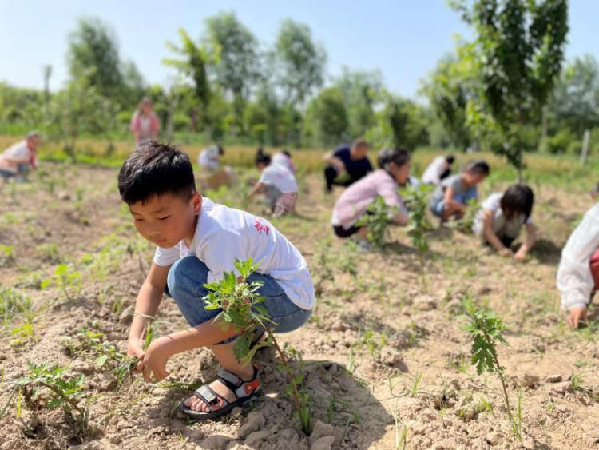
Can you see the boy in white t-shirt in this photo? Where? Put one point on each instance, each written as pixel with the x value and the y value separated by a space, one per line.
pixel 209 158
pixel 502 217
pixel 197 242
pixel 277 182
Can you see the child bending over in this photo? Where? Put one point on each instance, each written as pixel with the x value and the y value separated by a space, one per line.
pixel 578 272
pixel 197 242
pixel 277 182
pixel 451 197
pixel 502 217
pixel 354 201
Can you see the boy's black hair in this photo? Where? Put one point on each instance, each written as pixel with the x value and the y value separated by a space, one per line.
pixel 221 150
pixel 155 169
pixel 399 156
pixel 450 159
pixel 262 157
pixel 518 198
pixel 479 168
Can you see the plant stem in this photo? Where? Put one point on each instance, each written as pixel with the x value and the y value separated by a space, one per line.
pixel 57 391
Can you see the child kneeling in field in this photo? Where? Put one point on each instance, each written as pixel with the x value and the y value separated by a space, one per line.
pixel 277 182
pixel 578 272
pixel 197 242
pixel 354 201
pixel 502 217
pixel 453 194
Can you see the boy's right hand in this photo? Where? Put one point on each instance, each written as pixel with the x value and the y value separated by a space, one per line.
pixel 136 349
pixel 506 252
pixel 576 315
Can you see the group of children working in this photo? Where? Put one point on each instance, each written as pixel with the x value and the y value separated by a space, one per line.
pixel 198 241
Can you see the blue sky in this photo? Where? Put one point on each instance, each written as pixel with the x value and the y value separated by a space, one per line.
pixel 402 38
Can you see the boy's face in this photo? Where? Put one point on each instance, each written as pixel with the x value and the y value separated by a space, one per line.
pixel 166 219
pixel 473 179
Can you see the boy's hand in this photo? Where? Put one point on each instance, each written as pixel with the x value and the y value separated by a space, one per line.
pixel 521 255
pixel 136 349
pixel 506 252
pixel 155 360
pixel 576 315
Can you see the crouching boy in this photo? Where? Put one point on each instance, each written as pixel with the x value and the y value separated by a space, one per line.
pixel 197 242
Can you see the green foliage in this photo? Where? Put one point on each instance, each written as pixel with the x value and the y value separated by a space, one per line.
pixel 416 199
pixel 12 304
pixel 486 330
pixel 67 279
pixel 517 58
pixel 7 255
pixel 326 118
pixel 107 357
pixel 241 309
pixel 465 223
pixel 300 62
pixel 377 220
pixel 65 392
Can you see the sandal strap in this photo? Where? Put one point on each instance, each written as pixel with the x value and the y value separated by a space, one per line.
pixel 239 387
pixel 209 396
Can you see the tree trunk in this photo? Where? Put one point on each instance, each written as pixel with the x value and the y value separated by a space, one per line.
pixel 543 143
pixel 585 147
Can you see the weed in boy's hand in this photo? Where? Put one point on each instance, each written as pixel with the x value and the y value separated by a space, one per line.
pixel 241 308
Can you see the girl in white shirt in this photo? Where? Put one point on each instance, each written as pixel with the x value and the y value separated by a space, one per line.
pixel 500 220
pixel 277 183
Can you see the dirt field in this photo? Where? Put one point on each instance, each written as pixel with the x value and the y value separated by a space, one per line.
pixel 386 356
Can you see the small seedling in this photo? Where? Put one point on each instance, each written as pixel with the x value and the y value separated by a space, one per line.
pixel 108 357
pixel 486 330
pixel 65 392
pixel 417 202
pixel 7 255
pixel 377 219
pixel 12 304
pixel 241 308
pixel 68 280
pixel 415 384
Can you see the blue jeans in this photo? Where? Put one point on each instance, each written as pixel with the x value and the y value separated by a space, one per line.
pixel 186 280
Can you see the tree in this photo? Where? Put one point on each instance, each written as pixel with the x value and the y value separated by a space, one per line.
pixel 192 65
pixel 79 109
pixel 448 89
pixel 300 61
pixel 93 56
pixel 575 100
pixel 362 92
pixel 326 122
pixel 47 72
pixel 134 85
pixel 519 53
pixel 236 66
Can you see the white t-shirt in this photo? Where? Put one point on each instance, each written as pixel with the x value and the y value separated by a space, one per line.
pixel 18 150
pixel 432 174
pixel 224 234
pixel 501 226
pixel 574 277
pixel 209 158
pixel 280 177
pixel 281 159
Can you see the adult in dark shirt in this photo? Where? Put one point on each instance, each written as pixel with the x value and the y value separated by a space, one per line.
pixel 346 165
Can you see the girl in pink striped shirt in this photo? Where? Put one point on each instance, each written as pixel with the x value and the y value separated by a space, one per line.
pixel 354 201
